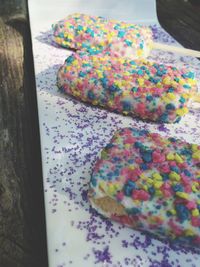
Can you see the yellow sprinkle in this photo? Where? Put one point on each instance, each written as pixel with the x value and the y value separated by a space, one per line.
pixel 139 52
pixel 195 212
pixel 174 176
pixel 196 155
pixel 127 146
pixel 111 189
pixel 167 81
pixel 194 147
pixel 182 195
pixel 178 158
pixel 140 81
pixel 171 96
pixel 102 185
pixel 194 187
pixel 182 111
pixel 131 167
pixel 181 81
pixel 158 193
pixel 166 100
pixel 104 154
pixel 189 232
pixel 170 156
pixel 149 181
pixel 145 187
pixel 172 211
pixel 186 95
pixel 198 201
pixel 158 184
pixel 157 176
pixel 142 176
pixel 192 82
pixel 126 93
pixel 95 102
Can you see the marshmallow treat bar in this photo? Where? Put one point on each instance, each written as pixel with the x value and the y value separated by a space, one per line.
pixel 143 89
pixel 151 184
pixel 95 34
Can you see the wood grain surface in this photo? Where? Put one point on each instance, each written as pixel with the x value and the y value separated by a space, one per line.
pixel 22 220
pixel 22 227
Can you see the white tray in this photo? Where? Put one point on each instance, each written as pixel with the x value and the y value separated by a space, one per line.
pixel 73 134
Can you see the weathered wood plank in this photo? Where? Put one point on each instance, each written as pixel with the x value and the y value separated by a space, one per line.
pixel 22 228
pixel 182 20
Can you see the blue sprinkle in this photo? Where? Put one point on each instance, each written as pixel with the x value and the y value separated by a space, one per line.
pixel 128 190
pixel 121 34
pixel 141 46
pixel 138 144
pixel 82 74
pixel 113 88
pixel 176 79
pixel 186 152
pixel 175 169
pixel 178 119
pixel 158 207
pixel 177 188
pixel 163 117
pixel 61 34
pixel 165 176
pixel 126 106
pixel 70 59
pixel 182 100
pixel 144 166
pixel 134 89
pixel 188 75
pixel 187 86
pixel 94 181
pixel 131 184
pixel 186 172
pixel 104 81
pixel 80 28
pixel 140 72
pixel 129 43
pixel 147 156
pixel 182 212
pixel 149 97
pixel 170 106
pixel 151 190
pixel 143 132
pixel 132 62
pixel 133 211
pixel 91 95
pixel 170 90
pixel 116 159
pixel 109 146
pixel 172 139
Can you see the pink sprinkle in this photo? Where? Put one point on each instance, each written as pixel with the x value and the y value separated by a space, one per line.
pixel 172 163
pixel 188 189
pixel 129 140
pixel 140 195
pixel 158 157
pixel 191 205
pixel 195 221
pixel 120 195
pixel 165 168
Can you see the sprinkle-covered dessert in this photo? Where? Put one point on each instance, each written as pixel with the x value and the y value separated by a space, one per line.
pixel 151 184
pixel 143 89
pixel 95 34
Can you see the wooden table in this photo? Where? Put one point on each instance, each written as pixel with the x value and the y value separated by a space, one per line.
pixel 22 220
